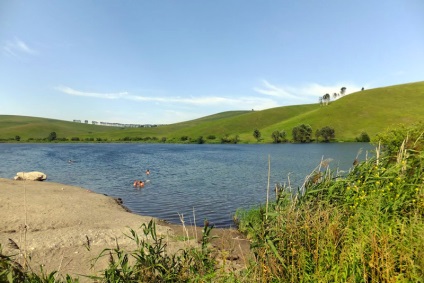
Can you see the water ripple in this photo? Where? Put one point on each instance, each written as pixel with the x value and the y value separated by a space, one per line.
pixel 197 181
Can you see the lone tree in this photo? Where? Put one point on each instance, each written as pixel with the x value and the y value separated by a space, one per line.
pixel 343 91
pixel 257 134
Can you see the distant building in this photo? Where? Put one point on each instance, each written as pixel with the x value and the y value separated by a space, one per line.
pixel 119 124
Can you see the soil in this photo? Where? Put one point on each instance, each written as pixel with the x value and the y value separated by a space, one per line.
pixel 63 228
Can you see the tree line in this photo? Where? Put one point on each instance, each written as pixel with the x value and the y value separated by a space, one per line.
pixel 300 134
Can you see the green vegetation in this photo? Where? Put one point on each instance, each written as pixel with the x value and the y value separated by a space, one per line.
pixel 327 133
pixel 368 111
pixel 257 134
pixel 148 262
pixel 302 133
pixel 366 226
pixel 279 137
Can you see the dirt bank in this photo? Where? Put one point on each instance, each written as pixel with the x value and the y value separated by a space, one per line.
pixel 53 222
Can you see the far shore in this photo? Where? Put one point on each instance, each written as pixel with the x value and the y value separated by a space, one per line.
pixel 53 224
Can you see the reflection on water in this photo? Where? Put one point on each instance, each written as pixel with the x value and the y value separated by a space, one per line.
pixel 196 181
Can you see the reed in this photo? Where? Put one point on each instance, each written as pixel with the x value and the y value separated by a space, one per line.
pixel 366 226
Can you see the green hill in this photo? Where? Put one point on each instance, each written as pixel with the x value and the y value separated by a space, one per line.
pixel 370 111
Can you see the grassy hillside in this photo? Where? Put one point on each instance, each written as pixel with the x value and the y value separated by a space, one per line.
pixel 371 111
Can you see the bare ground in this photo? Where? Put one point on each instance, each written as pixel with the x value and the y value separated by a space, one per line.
pixel 53 224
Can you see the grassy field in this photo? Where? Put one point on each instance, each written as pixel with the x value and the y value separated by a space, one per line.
pixel 369 111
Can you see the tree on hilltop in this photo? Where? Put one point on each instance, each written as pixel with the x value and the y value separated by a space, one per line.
pixel 326 98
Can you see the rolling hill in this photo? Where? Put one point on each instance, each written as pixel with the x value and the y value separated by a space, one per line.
pixel 371 111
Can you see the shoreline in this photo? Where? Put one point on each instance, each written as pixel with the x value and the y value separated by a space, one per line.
pixel 52 222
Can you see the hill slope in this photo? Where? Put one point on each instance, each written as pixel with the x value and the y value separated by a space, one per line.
pixel 371 111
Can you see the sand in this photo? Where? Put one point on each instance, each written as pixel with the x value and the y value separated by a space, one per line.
pixel 60 220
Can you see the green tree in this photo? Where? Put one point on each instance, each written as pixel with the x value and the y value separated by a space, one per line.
pixel 363 137
pixel 17 138
pixel 326 98
pixel 302 133
pixel 317 134
pixel 257 134
pixel 327 133
pixel 200 140
pixel 283 136
pixel 276 137
pixel 52 136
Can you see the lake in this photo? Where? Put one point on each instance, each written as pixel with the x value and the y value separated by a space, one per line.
pixel 196 181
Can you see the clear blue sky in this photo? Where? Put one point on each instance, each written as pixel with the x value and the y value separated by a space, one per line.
pixel 169 61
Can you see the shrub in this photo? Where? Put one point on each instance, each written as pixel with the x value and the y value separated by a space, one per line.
pixel 408 136
pixel 200 140
pixel 363 137
pixel 366 226
pixel 52 136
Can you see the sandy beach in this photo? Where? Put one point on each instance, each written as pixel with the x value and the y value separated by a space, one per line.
pixel 52 222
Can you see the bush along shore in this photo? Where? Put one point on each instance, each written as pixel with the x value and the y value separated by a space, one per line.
pixel 364 226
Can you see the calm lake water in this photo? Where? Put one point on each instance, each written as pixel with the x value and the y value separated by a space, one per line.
pixel 196 181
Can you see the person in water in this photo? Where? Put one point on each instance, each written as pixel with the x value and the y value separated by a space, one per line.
pixel 147 172
pixel 138 184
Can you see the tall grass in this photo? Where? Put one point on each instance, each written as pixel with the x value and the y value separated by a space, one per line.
pixel 366 226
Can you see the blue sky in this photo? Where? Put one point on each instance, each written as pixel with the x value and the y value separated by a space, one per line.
pixel 151 62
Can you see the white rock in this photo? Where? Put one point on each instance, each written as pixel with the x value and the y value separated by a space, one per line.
pixel 32 176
